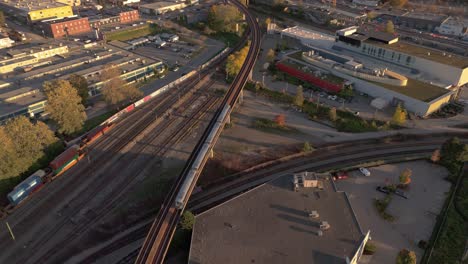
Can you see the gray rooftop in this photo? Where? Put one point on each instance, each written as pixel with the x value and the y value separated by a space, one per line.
pixel 270 224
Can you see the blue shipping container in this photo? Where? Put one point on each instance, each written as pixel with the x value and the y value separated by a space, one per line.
pixel 26 187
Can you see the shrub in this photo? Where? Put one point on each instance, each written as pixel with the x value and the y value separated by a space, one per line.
pixel 370 248
pixel 406 257
pixel 307 147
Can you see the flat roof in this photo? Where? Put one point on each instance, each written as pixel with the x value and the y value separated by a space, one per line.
pixel 416 89
pixel 32 5
pixel 161 4
pixel 451 59
pixel 270 224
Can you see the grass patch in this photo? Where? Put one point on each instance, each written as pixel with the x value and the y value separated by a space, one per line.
pixel 450 245
pixel 381 206
pixel 271 126
pixel 133 33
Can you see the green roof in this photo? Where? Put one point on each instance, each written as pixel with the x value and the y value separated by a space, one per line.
pixel 423 52
pixel 422 91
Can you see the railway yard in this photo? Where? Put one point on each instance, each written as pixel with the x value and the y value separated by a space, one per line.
pixel 139 149
pixel 245 163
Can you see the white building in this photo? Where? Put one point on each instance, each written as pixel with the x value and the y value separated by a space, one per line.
pixel 453 26
pixel 161 7
pixel 367 2
pixel 128 2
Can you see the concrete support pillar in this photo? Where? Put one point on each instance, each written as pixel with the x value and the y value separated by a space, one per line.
pixel 211 153
pixel 250 75
pixel 228 119
pixel 241 97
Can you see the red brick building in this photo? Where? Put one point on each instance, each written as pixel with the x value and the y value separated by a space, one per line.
pixel 57 28
pixel 129 16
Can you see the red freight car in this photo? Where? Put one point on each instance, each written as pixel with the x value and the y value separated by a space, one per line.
pixel 96 133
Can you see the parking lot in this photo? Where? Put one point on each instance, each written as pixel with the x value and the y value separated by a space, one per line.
pixel 171 53
pixel 415 217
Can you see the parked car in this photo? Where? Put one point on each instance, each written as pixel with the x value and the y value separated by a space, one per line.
pixel 364 172
pixel 356 113
pixel 340 175
pixel 383 189
pixel 332 97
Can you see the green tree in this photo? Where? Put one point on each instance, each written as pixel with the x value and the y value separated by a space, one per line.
pixel 223 18
pixel 453 153
pixel 270 55
pixel 307 147
pixel 406 257
pixel 8 156
pixel 187 220
pixel 81 85
pixel 299 98
pixel 390 28
pixel 116 91
pixel 399 117
pixel 64 106
pixel 23 143
pixel 332 114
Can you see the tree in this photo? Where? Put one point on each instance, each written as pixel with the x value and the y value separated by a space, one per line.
pixel 371 15
pixel 223 18
pixel 399 117
pixel 435 156
pixel 64 106
pixel 370 248
pixel 267 22
pixel 398 3
pixel 2 18
pixel 390 28
pixel 406 257
pixel 307 147
pixel 280 120
pixel 332 114
pixel 187 220
pixel 270 55
pixel 453 153
pixel 23 143
pixel 235 61
pixel 299 98
pixel 116 91
pixel 405 176
pixel 81 85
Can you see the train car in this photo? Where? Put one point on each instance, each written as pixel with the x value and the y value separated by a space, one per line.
pixel 66 160
pixel 26 187
pixel 96 133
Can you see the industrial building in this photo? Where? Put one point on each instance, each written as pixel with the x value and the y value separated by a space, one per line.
pixel 21 93
pixel 32 11
pixel 114 16
pixel 69 26
pixel 18 58
pixel 158 8
pixel 5 41
pixel 376 63
pixel 299 218
pixel 453 26
pixel 441 67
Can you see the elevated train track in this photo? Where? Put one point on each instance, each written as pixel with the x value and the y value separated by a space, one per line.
pixel 157 241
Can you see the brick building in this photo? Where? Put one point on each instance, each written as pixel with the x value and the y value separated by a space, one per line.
pixel 115 16
pixel 57 28
pixel 129 16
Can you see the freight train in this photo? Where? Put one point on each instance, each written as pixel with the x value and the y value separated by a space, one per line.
pixel 57 167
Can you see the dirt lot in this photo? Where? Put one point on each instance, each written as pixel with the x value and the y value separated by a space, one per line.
pixel 415 217
pixel 243 145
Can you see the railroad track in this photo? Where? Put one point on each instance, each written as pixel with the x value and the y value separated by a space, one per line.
pixel 157 242
pixel 153 155
pixel 330 158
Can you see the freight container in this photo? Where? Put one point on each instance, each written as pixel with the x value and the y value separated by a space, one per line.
pixel 24 189
pixel 65 160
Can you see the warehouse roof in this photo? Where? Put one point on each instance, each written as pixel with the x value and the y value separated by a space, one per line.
pixel 271 224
